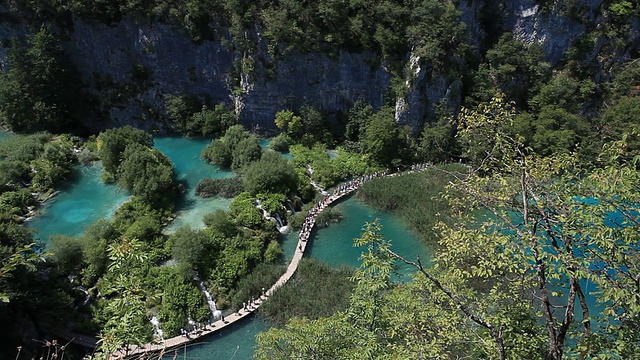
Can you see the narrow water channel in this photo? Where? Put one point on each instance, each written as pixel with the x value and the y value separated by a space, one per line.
pixel 190 169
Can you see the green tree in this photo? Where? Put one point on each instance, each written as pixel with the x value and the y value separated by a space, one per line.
pixel 113 142
pixel 512 67
pixel 290 123
pixel 147 173
pixel 382 139
pixel 66 252
pixel 547 226
pixel 313 126
pixel 96 238
pixel 235 149
pixel 271 174
pixel 220 223
pixel 124 313
pixel 246 151
pixel 52 166
pixel 216 120
pixel 437 143
pixel 436 32
pixel 38 92
pixel 358 120
pixel 193 248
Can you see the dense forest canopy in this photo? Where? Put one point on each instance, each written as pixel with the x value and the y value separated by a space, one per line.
pixel 541 199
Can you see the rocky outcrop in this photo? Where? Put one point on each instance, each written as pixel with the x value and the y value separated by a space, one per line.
pixel 330 84
pixel 144 63
pixel 130 67
pixel 137 65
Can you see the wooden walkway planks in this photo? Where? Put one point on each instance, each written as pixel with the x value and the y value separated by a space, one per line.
pixel 173 343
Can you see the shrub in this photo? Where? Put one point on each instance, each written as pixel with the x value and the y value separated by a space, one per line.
pixel 280 143
pixel 228 187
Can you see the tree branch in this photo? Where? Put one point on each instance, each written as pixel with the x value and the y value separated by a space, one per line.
pixel 497 335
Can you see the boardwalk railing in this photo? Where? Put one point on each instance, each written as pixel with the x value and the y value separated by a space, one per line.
pixel 167 345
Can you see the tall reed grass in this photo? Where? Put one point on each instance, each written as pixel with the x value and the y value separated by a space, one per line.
pixel 416 197
pixel 316 290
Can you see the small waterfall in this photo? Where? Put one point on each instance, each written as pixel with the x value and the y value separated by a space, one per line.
pixel 279 220
pixel 212 304
pixel 276 220
pixel 319 188
pixel 291 207
pixel 81 288
pixel 281 227
pixel 156 325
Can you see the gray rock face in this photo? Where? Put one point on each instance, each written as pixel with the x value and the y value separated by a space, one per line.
pixel 131 67
pixel 176 65
pixel 140 64
pixel 330 84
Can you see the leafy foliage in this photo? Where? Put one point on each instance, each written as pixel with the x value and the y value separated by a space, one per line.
pixel 227 187
pixel 147 173
pixel 237 148
pixel 38 91
pixel 193 118
pixel 271 174
pixel 113 142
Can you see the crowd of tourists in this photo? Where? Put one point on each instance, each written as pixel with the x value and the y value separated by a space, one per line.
pixel 307 226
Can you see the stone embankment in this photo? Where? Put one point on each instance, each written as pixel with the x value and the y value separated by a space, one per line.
pixel 165 346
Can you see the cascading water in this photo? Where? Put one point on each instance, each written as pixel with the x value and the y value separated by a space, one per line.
pixel 86 292
pixel 156 324
pixel 277 219
pixel 291 207
pixel 281 227
pixel 207 295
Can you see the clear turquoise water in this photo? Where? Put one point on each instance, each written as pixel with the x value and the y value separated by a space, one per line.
pixel 86 199
pixel 5 135
pixel 190 169
pixel 235 342
pixel 264 144
pixel 82 200
pixel 332 245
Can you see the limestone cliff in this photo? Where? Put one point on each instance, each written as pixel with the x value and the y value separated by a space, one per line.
pixel 131 66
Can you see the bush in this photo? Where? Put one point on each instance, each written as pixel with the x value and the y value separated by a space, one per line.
pixel 272 174
pixel 228 187
pixel 280 143
pixel 236 149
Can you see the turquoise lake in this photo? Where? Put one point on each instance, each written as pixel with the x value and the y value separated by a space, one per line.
pixel 333 245
pixel 85 199
pixel 235 342
pixel 82 200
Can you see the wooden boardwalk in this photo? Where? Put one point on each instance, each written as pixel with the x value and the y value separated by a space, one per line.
pixel 165 346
